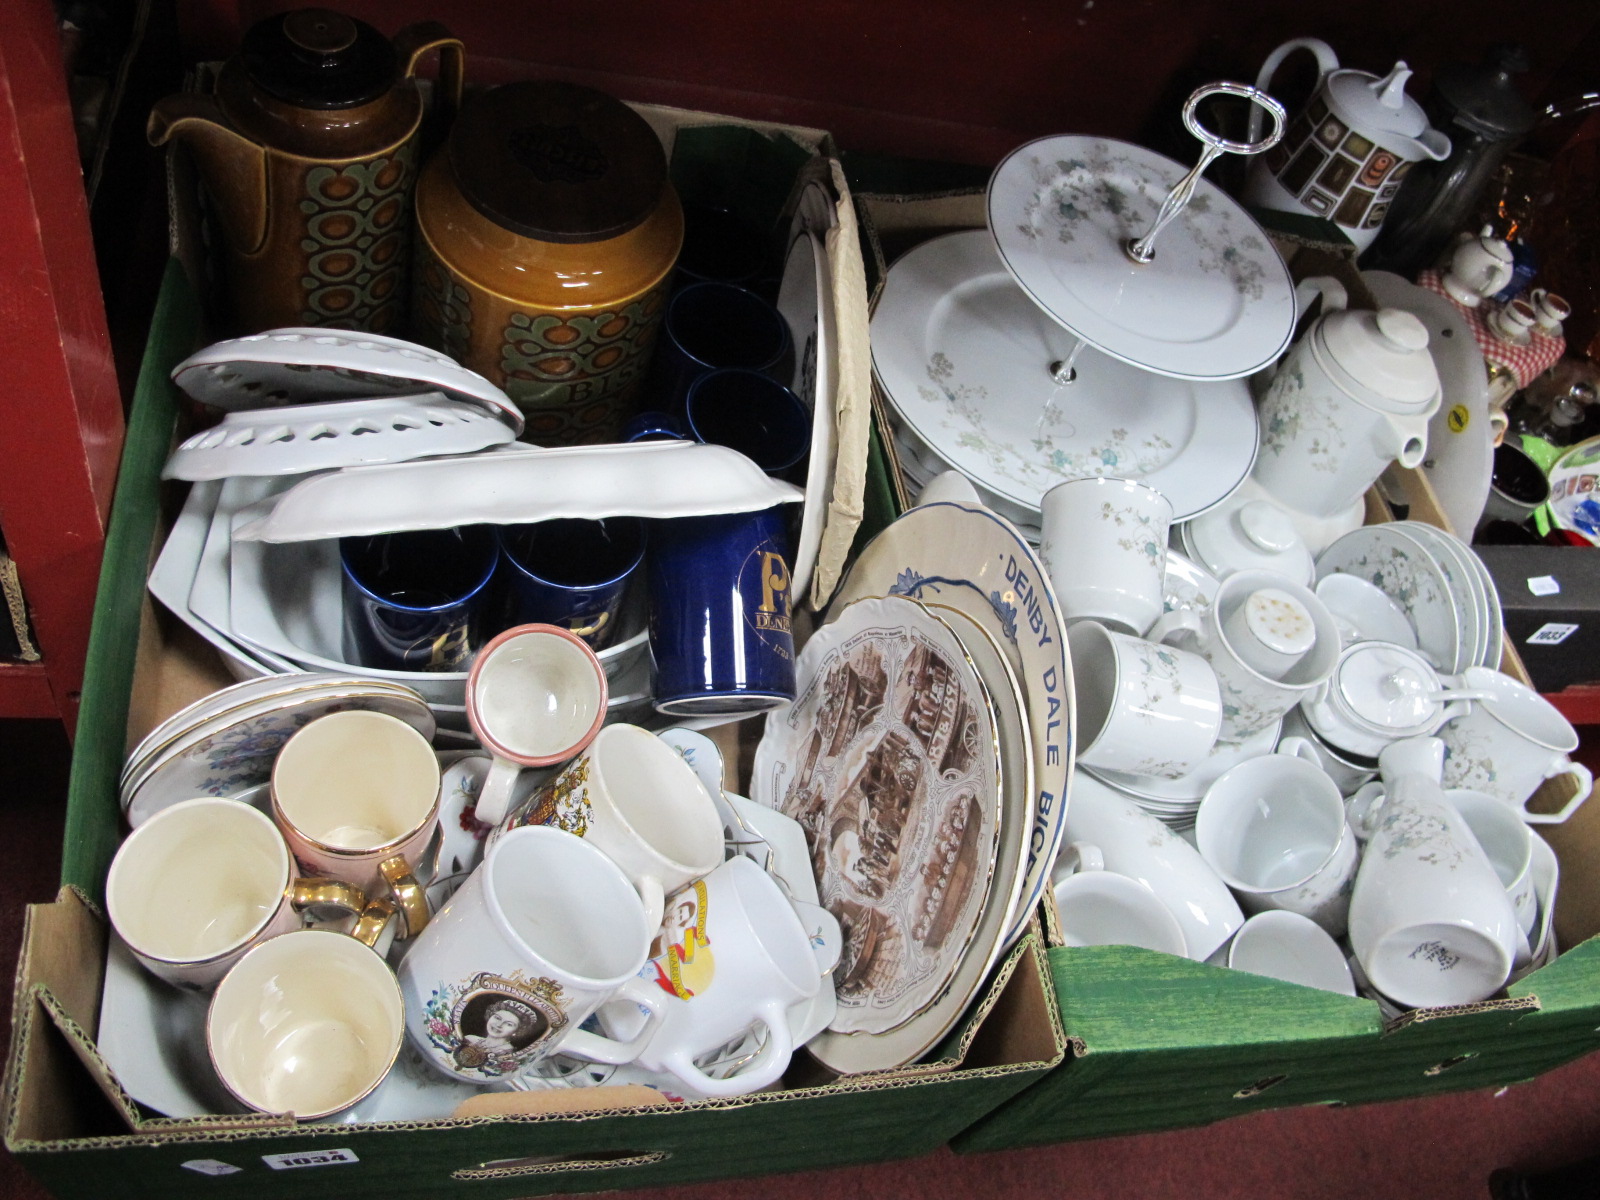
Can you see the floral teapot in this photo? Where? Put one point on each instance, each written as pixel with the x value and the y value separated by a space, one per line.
pixel 1345 157
pixel 1354 394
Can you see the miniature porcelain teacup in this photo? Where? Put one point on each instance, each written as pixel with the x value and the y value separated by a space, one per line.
pixel 1105 546
pixel 1251 700
pixel 1101 908
pixel 356 794
pixel 1274 829
pixel 1509 743
pixel 1551 310
pixel 1143 708
pixel 536 696
pixel 198 884
pixel 631 795
pixel 306 1023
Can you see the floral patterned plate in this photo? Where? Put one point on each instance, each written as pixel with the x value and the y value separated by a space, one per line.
pixel 965 360
pixel 1215 302
pixel 1410 576
pixel 974 560
pixel 889 759
pixel 235 751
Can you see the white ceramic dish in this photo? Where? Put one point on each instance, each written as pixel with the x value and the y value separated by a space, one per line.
pixel 1242 535
pixel 520 484
pixel 304 365
pixel 965 360
pixel 1215 303
pixel 976 561
pixel 805 300
pixel 316 437
pixel 1409 575
pixel 890 760
pixel 210 595
pixel 1460 461
pixel 1364 612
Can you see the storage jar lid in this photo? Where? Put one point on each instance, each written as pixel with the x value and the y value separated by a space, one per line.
pixel 1376 106
pixel 557 162
pixel 1389 686
pixel 1382 357
pixel 314 58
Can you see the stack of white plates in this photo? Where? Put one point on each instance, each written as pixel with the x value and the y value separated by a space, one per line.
pixel 274 608
pixel 1437 581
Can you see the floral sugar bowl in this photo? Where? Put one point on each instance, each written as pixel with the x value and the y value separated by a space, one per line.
pixel 547 232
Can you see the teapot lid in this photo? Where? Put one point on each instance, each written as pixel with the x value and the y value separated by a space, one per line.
pixel 315 58
pixel 556 161
pixel 1389 686
pixel 1380 357
pixel 1375 106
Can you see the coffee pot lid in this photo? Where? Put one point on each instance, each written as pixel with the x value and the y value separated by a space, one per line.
pixel 1375 106
pixel 1382 357
pixel 556 161
pixel 1389 686
pixel 316 58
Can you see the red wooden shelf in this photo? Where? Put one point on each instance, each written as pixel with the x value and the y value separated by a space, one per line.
pixel 1580 705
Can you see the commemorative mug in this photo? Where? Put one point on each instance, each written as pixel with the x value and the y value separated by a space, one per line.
pixel 197 885
pixel 633 796
pixel 1252 700
pixel 1274 829
pixel 720 614
pixel 356 795
pixel 306 1023
pixel 569 572
pixel 416 601
pixel 1143 708
pixel 731 954
pixel 536 696
pixel 1105 547
pixel 539 936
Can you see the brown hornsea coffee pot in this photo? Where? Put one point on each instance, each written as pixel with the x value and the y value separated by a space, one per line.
pixel 308 148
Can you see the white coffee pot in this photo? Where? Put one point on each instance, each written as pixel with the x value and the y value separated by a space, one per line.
pixel 1354 394
pixel 1345 158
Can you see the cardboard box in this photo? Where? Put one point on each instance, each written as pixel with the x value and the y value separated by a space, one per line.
pixel 68 1120
pixel 1158 1042
pixel 1551 599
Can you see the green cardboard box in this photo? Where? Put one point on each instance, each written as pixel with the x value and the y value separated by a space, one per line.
pixel 1158 1042
pixel 69 1121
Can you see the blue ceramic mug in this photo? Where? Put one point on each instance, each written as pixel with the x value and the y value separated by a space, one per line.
pixel 719 614
pixel 709 326
pixel 751 413
pixel 416 601
pixel 653 425
pixel 570 573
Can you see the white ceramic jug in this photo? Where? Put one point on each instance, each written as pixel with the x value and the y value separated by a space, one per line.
pixel 1354 394
pixel 1345 157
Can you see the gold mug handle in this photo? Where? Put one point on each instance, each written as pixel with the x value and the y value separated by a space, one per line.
pixel 344 898
pixel 372 921
pixel 409 896
pixel 414 41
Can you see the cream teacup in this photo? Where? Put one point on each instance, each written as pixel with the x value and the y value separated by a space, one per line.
pixel 197 885
pixel 356 794
pixel 306 1023
pixel 536 696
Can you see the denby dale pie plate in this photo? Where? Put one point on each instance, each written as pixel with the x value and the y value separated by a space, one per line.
pixel 970 364
pixel 975 561
pixel 1215 301
pixel 889 759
